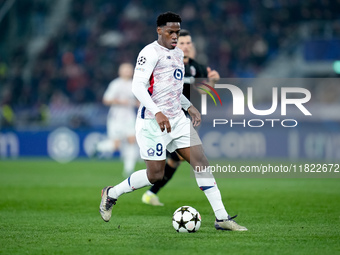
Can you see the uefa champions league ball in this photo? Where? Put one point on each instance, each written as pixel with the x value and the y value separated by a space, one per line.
pixel 186 219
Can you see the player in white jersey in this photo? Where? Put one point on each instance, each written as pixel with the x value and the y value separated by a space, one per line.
pixel 193 70
pixel 121 119
pixel 161 124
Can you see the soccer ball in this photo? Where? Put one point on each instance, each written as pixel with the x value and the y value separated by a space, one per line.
pixel 186 219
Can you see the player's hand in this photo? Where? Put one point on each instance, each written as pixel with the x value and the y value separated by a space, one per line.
pixel 163 122
pixel 195 115
pixel 213 75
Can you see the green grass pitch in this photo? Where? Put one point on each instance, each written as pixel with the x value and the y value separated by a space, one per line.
pixel 52 208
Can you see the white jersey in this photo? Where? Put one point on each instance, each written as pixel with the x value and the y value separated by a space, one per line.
pixel 164 69
pixel 121 89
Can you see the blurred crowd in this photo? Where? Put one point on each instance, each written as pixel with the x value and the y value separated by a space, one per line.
pixel 234 37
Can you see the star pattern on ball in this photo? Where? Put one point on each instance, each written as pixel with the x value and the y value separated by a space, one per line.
pixel 195 219
pixel 184 209
pixel 141 60
pixel 181 223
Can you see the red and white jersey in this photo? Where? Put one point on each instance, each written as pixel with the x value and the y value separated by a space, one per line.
pixel 164 69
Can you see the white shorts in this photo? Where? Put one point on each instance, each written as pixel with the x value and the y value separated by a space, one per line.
pixel 153 143
pixel 119 130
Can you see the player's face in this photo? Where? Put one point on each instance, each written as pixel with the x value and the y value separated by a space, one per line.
pixel 185 44
pixel 168 34
pixel 126 71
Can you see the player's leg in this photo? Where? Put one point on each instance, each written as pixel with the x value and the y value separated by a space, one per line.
pixel 107 146
pixel 207 183
pixel 129 154
pixel 152 150
pixel 112 143
pixel 172 163
pixel 205 179
pixel 154 171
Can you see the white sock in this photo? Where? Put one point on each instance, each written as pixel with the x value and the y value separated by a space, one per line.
pixel 130 157
pixel 207 184
pixel 137 180
pixel 106 146
pixel 150 193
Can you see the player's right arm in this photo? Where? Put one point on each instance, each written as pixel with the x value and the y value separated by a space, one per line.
pixel 111 95
pixel 146 62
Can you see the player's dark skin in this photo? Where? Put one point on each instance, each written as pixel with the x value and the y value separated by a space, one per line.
pixel 167 37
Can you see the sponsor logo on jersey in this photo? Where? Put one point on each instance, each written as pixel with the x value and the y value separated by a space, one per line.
pixel 140 69
pixel 178 74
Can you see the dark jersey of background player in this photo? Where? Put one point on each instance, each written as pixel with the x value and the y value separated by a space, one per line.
pixel 192 70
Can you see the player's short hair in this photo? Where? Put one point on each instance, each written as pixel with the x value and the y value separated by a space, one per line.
pixel 184 32
pixel 163 18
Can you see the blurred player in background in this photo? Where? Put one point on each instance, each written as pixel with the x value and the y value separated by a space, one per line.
pixel 162 125
pixel 192 70
pixel 121 119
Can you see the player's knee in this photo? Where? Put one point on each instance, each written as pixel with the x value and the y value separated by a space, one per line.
pixel 156 176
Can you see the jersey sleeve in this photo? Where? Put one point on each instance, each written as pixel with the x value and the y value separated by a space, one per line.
pixel 185 102
pixel 146 62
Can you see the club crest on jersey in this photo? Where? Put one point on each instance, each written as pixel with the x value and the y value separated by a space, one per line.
pixel 141 60
pixel 178 74
pixel 151 152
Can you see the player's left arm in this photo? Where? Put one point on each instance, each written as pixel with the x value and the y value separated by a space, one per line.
pixel 193 112
pixel 195 115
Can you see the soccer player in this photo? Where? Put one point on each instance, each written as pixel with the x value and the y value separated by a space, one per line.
pixel 192 70
pixel 162 125
pixel 121 119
